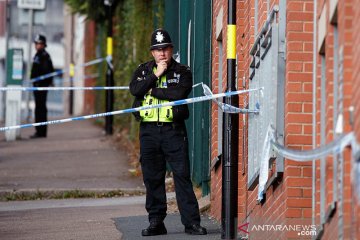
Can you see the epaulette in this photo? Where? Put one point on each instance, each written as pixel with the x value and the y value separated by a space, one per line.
pixel 45 54
pixel 184 67
pixel 145 64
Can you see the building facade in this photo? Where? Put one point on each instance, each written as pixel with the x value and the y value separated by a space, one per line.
pixel 310 98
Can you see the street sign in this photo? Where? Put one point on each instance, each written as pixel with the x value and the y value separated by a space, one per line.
pixel 31 4
pixel 14 67
pixel 17 71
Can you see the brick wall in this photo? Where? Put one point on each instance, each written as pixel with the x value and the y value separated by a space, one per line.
pixel 290 200
pixel 2 18
pixel 298 109
pixel 215 175
pixel 346 23
pixel 356 67
pixel 90 47
pixel 356 94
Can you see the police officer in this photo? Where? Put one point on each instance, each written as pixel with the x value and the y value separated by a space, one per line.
pixel 163 135
pixel 42 65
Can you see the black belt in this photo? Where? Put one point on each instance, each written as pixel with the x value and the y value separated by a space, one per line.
pixel 159 124
pixel 164 124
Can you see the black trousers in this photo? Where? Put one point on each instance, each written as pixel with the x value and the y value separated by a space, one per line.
pixel 40 111
pixel 159 144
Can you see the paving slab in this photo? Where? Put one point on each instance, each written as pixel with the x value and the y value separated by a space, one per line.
pixel 131 227
pixel 65 219
pixel 75 155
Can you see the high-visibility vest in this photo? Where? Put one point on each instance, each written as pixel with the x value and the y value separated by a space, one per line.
pixel 164 114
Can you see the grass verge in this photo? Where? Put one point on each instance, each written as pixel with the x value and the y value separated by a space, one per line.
pixel 65 194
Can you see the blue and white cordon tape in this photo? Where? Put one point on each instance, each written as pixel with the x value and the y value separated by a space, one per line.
pixel 59 72
pixel 131 110
pixel 336 146
pixel 227 107
pixel 61 88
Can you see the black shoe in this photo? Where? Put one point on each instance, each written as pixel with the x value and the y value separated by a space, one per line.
pixel 155 228
pixel 195 229
pixel 37 136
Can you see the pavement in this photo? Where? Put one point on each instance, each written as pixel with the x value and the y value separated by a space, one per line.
pixel 76 184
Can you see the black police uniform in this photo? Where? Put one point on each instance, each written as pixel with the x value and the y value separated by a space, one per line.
pixel 42 65
pixel 161 142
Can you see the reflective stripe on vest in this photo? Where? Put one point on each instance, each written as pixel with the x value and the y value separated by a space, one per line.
pixel 164 114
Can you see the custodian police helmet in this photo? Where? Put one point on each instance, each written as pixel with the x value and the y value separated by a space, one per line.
pixel 160 39
pixel 40 39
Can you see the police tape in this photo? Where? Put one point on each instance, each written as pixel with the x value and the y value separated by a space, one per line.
pixel 59 72
pixel 131 110
pixel 109 61
pixel 227 107
pixel 61 88
pixel 207 92
pixel 336 146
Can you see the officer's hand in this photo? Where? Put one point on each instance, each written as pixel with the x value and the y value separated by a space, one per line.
pixel 161 68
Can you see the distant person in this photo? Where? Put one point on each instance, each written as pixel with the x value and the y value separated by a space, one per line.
pixel 163 135
pixel 42 65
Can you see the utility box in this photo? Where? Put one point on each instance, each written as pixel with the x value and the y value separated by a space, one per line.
pixel 266 70
pixel 15 72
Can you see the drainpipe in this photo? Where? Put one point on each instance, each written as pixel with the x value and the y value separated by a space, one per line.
pixel 109 97
pixel 231 135
pixel 72 70
pixel 313 204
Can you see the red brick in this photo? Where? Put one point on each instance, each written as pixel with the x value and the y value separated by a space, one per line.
pixel 299 118
pixel 307 129
pixel 308 27
pixel 299 16
pixel 294 192
pixel 294 107
pixel 299 182
pixel 300 36
pixel 308 67
pixel 294 129
pixel 307 192
pixel 301 77
pixel 300 97
pixel 307 172
pixel 307 213
pixel 295 66
pixel 293 171
pixel 298 140
pixel 308 87
pixel 295 6
pixel 309 7
pixel 293 213
pixel 294 87
pixel 298 202
pixel 307 107
pixel 295 27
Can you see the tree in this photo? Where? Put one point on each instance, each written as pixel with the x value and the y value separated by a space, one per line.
pixel 92 9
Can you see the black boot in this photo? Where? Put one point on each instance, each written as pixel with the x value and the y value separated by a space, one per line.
pixel 195 229
pixel 155 228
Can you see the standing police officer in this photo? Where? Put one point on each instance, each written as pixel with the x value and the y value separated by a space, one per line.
pixel 42 65
pixel 163 135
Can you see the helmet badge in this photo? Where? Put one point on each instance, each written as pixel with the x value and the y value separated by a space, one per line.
pixel 159 37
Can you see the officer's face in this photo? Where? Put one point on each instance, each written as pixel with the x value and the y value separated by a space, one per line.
pixel 162 54
pixel 39 46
